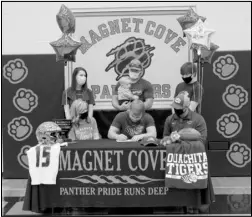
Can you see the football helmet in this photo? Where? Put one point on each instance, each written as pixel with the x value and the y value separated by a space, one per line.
pixel 47 133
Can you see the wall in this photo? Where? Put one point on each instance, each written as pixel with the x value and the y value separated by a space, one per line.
pixel 28 27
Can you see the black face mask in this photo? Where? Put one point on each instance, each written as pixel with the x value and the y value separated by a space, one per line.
pixel 187 80
pixel 84 116
pixel 178 112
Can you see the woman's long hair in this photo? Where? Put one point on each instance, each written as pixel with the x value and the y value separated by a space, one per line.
pixel 74 82
pixel 78 107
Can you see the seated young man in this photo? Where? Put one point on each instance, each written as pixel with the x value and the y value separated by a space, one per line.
pixel 133 124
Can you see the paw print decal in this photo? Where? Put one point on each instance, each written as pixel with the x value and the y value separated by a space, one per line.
pixel 15 71
pixel 229 125
pixel 239 155
pixel 25 100
pixel 225 67
pixel 239 202
pixel 22 157
pixel 131 48
pixel 20 128
pixel 235 96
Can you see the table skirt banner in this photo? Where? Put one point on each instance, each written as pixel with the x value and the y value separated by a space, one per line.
pixel 110 174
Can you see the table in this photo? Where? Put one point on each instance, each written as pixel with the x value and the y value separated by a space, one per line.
pixel 105 173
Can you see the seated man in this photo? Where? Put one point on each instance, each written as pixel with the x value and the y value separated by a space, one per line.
pixel 183 118
pixel 133 124
pixel 187 125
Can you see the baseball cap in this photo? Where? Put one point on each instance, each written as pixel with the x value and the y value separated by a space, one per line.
pixel 136 65
pixel 181 101
pixel 150 141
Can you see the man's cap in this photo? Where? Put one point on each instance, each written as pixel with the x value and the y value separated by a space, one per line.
pixel 181 101
pixel 135 64
pixel 150 141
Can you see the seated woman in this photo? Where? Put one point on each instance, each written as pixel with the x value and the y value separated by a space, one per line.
pixel 82 129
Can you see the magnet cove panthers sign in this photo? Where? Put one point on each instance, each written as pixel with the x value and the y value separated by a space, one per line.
pixel 110 41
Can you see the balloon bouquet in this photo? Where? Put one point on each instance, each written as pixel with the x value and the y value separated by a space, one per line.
pixel 66 47
pixel 199 38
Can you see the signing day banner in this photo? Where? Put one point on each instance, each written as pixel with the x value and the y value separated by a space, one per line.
pixel 112 39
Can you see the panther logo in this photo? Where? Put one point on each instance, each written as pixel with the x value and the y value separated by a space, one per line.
pixel 131 48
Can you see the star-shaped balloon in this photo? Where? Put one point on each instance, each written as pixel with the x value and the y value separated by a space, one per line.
pixel 206 55
pixel 65 48
pixel 199 35
pixel 66 20
pixel 189 19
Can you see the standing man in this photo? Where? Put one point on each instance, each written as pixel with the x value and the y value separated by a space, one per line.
pixel 133 124
pixel 139 87
pixel 190 84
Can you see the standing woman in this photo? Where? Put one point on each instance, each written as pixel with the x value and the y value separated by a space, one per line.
pixel 78 90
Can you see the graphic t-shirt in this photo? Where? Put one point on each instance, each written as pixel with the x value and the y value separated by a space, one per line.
pixel 127 127
pixel 70 95
pixel 84 131
pixel 193 91
pixel 141 88
pixel 43 161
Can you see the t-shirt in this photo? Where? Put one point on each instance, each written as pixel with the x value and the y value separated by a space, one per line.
pixel 193 91
pixel 70 95
pixel 127 127
pixel 141 88
pixel 192 120
pixel 84 131
pixel 43 161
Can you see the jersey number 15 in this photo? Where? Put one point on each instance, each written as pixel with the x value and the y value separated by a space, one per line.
pixel 45 155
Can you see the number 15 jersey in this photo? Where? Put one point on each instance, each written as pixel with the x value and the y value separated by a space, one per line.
pixel 43 161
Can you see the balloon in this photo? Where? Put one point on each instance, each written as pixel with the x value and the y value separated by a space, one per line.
pixel 199 35
pixel 66 20
pixel 206 55
pixel 189 19
pixel 65 48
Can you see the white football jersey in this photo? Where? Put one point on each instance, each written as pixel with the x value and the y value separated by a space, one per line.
pixel 43 161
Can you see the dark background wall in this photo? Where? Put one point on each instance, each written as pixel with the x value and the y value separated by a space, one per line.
pixel 46 79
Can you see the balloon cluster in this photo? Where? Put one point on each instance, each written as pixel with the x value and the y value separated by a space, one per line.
pixel 199 36
pixel 66 47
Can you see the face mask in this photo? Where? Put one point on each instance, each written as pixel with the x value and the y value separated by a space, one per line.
pixel 81 81
pixel 134 75
pixel 178 112
pixel 187 80
pixel 84 116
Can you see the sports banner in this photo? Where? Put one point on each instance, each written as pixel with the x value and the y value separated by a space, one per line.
pixel 186 165
pixel 111 40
